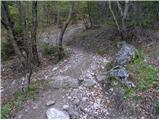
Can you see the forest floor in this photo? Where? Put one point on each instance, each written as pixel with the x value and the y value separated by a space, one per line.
pixel 88 54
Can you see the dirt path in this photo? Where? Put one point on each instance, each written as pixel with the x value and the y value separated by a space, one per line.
pixel 73 67
pixel 85 101
pixel 79 64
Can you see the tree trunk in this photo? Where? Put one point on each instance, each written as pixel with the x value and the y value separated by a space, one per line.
pixel 25 36
pixel 123 16
pixel 124 20
pixel 10 27
pixel 89 15
pixel 58 18
pixel 34 33
pixel 114 17
pixel 61 51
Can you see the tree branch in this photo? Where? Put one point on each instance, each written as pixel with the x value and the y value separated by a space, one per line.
pixel 120 9
pixel 114 17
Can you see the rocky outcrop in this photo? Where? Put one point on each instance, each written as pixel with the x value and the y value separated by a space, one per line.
pixel 126 53
pixel 121 74
pixel 53 113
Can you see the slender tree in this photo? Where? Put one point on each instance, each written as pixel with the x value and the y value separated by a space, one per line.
pixel 27 40
pixel 61 50
pixel 34 33
pixel 8 23
pixel 121 27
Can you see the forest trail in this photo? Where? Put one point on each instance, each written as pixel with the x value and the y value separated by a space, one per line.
pixel 93 100
pixel 80 64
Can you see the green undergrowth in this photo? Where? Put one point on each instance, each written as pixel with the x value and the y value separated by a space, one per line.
pixel 8 109
pixel 86 33
pixel 102 51
pixel 48 49
pixel 142 74
pixel 53 51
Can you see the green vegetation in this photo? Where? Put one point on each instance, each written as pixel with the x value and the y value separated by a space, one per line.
pixel 49 50
pixel 148 19
pixel 141 73
pixel 8 109
pixel 86 33
pixel 6 50
pixel 101 51
pixel 110 65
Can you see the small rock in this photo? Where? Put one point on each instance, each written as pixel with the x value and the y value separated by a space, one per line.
pixel 20 116
pixel 66 107
pixel 111 89
pixel 84 99
pixel 73 114
pixel 142 117
pixel 96 105
pixel 35 106
pixel 76 101
pixel 101 77
pixel 69 97
pixel 49 103
pixel 89 82
pixel 108 101
pixel 98 101
pixel 46 77
pixel 53 113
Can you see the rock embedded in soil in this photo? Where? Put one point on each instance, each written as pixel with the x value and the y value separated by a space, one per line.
pixel 100 77
pixel 53 113
pixel 66 107
pixel 88 82
pixel 65 82
pixel 49 103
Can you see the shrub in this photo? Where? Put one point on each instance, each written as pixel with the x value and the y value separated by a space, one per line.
pixel 49 50
pixel 101 51
pixel 6 50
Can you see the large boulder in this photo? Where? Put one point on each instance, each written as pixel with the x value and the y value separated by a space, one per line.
pixel 65 82
pixel 121 74
pixel 126 53
pixel 53 113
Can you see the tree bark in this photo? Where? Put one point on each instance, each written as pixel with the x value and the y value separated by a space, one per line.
pixel 58 18
pixel 114 17
pixel 123 16
pixel 10 27
pixel 89 15
pixel 34 34
pixel 61 51
pixel 24 27
pixel 119 7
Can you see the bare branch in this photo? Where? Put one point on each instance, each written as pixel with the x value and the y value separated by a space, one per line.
pixel 125 10
pixel 114 17
pixel 120 9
